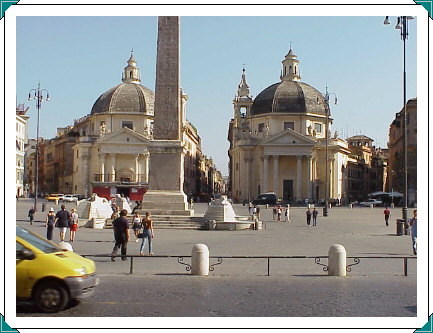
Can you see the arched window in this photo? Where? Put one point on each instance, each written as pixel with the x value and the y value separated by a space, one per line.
pixel 130 74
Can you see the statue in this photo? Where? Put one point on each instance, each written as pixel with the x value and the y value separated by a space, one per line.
pixel 335 134
pixel 310 130
pixel 266 129
pixel 102 129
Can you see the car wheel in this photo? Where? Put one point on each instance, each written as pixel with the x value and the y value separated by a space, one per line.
pixel 51 297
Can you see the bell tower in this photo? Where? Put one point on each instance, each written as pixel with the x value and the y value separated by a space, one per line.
pixel 242 101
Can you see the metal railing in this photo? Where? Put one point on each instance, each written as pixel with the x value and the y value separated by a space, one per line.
pixel 220 260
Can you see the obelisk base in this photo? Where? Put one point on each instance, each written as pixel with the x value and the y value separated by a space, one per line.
pixel 165 203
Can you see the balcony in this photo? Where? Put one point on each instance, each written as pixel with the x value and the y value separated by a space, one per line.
pixel 119 179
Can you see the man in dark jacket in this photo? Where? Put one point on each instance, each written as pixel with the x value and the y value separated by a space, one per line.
pixel 121 235
pixel 62 221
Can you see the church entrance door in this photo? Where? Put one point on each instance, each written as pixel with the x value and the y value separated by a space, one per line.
pixel 287 190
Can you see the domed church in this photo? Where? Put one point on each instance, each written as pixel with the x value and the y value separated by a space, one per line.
pixel 277 141
pixel 114 140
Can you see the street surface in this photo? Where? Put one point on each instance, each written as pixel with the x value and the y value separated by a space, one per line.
pixel 240 287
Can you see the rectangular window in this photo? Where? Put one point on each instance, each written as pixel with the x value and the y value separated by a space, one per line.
pixel 129 124
pixel 318 127
pixel 289 124
pixel 261 127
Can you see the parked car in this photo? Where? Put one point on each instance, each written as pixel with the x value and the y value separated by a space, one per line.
pixel 265 199
pixel 54 196
pixel 369 202
pixel 70 198
pixel 49 275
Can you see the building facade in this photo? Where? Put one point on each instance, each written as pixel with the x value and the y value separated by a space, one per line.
pixel 396 152
pixel 366 168
pixel 277 142
pixel 21 137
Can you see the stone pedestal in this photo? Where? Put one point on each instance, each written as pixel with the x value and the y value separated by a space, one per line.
pixel 165 203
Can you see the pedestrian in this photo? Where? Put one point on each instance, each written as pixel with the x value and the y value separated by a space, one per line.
pixel 121 235
pixel 49 223
pixel 315 213
pixel 113 204
pixel 191 203
pixel 136 225
pixel 274 212
pixel 31 215
pixel 413 233
pixel 254 213
pixel 387 213
pixel 308 216
pixel 279 211
pixel 62 221
pixel 116 213
pixel 148 234
pixel 73 224
pixel 258 212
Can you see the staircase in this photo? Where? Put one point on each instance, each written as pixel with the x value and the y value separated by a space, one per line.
pixel 169 222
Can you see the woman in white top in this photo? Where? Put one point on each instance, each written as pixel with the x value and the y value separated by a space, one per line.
pixel 136 225
pixel 73 224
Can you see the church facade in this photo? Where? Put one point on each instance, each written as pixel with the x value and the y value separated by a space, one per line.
pixel 278 141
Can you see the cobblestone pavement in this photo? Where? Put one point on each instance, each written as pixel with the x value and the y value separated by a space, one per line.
pixel 240 287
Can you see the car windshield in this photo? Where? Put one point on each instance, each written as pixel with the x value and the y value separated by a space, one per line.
pixel 37 241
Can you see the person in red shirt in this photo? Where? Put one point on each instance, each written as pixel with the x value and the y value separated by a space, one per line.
pixel 387 213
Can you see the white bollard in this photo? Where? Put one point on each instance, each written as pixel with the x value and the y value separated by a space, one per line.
pixel 392 205
pixel 350 206
pixel 371 206
pixel 337 260
pixel 200 260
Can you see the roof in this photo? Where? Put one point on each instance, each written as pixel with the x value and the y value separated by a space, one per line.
pixel 289 97
pixel 126 98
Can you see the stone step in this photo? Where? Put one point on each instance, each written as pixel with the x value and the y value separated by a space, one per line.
pixel 162 223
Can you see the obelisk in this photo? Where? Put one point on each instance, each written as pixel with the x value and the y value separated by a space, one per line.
pixel 166 172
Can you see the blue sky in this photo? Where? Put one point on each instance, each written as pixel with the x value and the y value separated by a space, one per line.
pixel 78 58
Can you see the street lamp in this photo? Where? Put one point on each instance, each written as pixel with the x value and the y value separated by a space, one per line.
pixel 38 95
pixel 327 112
pixel 402 25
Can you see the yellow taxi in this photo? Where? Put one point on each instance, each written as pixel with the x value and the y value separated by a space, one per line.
pixel 54 197
pixel 49 275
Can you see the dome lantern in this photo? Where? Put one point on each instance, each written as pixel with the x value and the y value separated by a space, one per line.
pixel 290 71
pixel 131 73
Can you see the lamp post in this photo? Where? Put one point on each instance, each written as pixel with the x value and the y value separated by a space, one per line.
pixel 402 25
pixel 327 113
pixel 38 95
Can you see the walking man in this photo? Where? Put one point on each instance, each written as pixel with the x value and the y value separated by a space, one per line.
pixel 315 213
pixel 31 215
pixel 387 213
pixel 62 221
pixel 308 216
pixel 413 223
pixel 121 235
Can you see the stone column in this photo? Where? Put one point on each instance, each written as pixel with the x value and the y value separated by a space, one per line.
pixel 309 177
pixel 276 173
pixel 247 177
pixel 136 169
pixel 102 166
pixel 265 180
pixel 113 167
pixel 299 177
pixel 146 167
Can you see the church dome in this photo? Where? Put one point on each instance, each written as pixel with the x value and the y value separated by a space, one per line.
pixel 289 97
pixel 127 97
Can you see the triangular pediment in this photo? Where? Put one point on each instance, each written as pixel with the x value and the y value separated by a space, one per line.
pixel 123 136
pixel 289 137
